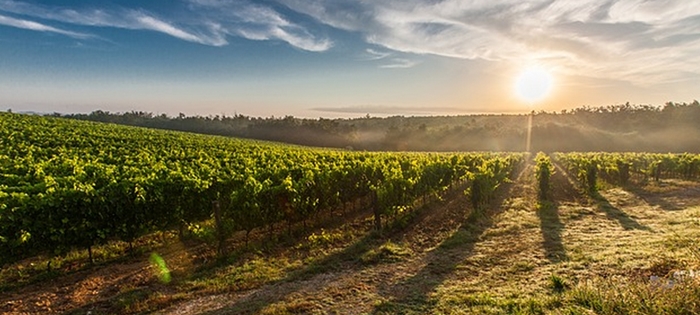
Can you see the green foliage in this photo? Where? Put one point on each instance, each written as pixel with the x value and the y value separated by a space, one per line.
pixel 323 238
pixel 205 232
pixel 584 166
pixel 487 175
pixel 543 172
pixel 102 182
pixel 621 168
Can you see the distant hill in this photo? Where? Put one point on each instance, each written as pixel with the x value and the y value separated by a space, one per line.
pixel 673 127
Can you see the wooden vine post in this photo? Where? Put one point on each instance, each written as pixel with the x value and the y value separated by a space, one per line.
pixel 220 234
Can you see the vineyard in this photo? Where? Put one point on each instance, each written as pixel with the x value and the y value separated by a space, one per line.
pixel 68 186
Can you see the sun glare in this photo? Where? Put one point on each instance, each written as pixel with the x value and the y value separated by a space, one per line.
pixel 533 84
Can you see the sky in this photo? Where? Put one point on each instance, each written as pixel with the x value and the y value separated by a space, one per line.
pixel 333 58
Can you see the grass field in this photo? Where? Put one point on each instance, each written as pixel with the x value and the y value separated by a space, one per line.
pixel 613 253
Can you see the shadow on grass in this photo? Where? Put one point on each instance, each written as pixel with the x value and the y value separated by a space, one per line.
pixel 614 213
pixel 602 204
pixel 563 190
pixel 551 227
pixel 656 199
pixel 276 291
pixel 413 294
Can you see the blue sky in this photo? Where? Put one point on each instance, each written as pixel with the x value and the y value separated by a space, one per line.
pixel 331 58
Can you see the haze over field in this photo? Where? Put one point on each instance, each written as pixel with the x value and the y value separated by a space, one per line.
pixel 313 58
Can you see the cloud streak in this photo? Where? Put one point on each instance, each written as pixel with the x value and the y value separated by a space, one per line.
pixel 206 22
pixel 389 62
pixel 258 22
pixel 373 54
pixel 399 63
pixel 145 21
pixel 639 41
pixel 34 26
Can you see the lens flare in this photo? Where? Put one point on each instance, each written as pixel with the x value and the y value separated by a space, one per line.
pixel 161 270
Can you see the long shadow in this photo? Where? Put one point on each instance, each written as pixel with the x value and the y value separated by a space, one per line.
pixel 551 227
pixel 414 293
pixel 614 213
pixel 654 199
pixel 562 190
pixel 261 240
pixel 602 204
pixel 276 291
pixel 348 259
pixel 442 261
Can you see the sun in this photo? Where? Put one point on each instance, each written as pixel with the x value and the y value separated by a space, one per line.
pixel 533 84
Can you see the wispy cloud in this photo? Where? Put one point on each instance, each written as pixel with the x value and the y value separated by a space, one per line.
pixel 145 21
pixel 258 22
pixel 399 63
pixel 373 54
pixel 639 41
pixel 35 26
pixel 387 62
pixel 207 22
pixel 134 19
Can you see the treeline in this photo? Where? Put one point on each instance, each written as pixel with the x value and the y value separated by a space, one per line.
pixel 313 132
pixel 672 127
